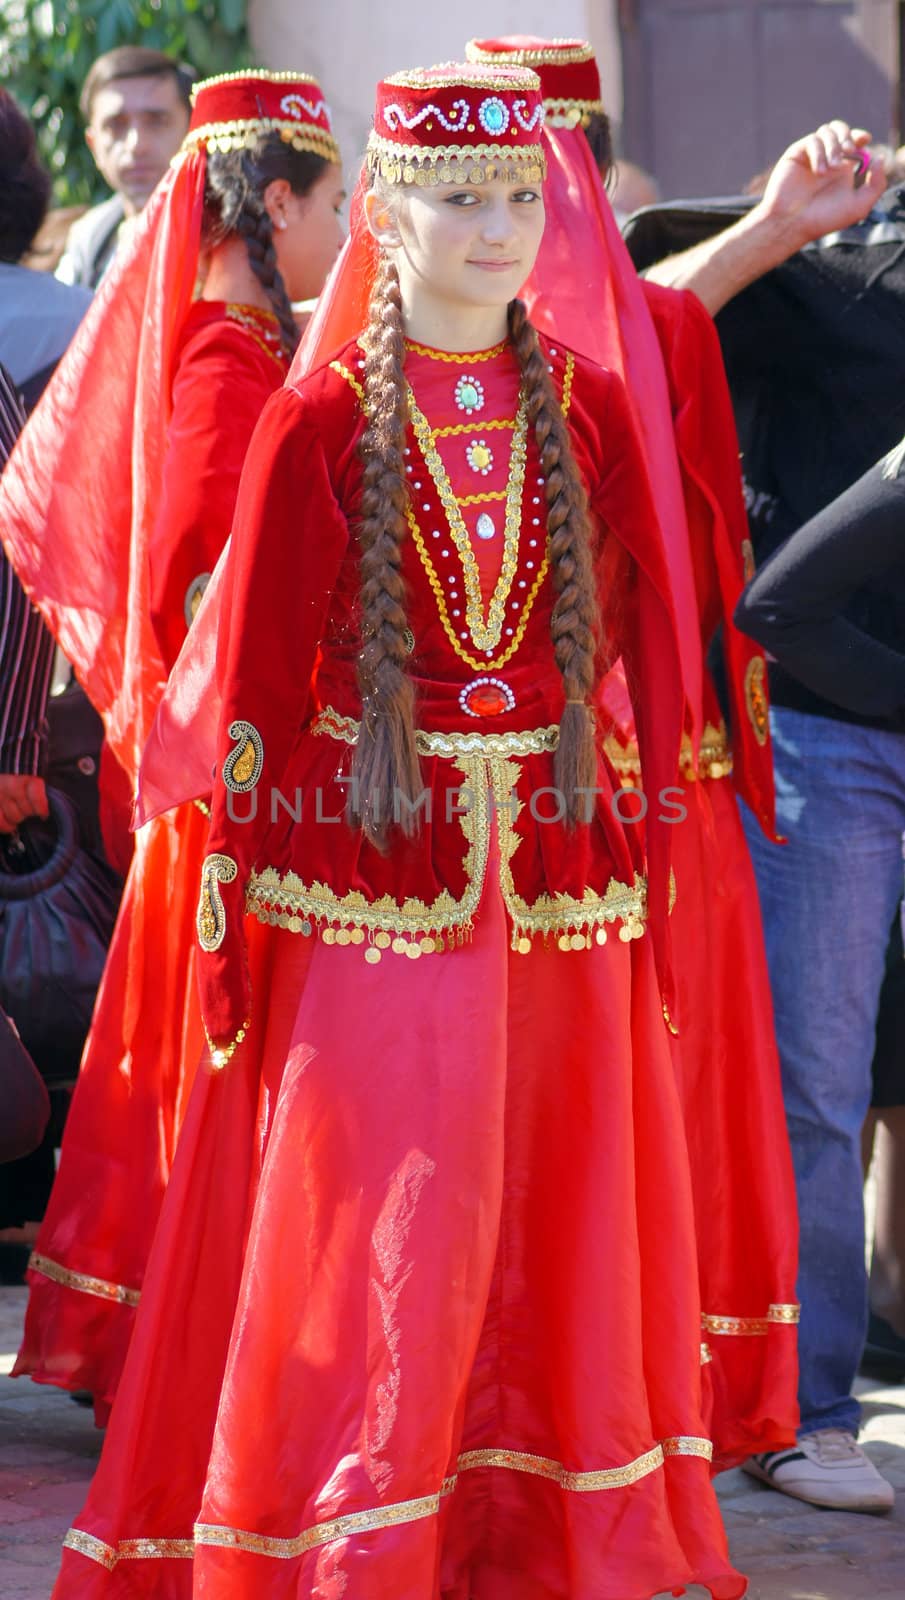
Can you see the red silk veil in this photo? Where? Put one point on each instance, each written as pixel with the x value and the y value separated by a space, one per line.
pixel 81 491
pixel 584 290
pixel 179 758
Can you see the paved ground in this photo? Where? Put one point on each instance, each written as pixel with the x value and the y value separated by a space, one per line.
pixel 48 1447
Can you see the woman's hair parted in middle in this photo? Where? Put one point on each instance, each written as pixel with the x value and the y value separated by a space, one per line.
pixel 386 764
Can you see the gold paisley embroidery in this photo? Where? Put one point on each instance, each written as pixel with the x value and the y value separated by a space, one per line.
pixel 194 594
pixel 243 766
pixel 210 919
pixel 756 698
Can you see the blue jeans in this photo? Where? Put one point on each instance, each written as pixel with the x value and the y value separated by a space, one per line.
pixel 828 899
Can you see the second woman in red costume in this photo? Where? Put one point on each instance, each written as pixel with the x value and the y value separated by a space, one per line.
pixel 666 346
pixel 249 210
pixel 424 1295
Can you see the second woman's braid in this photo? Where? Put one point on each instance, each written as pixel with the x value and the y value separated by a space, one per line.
pixel 386 768
pixel 575 621
pixel 253 224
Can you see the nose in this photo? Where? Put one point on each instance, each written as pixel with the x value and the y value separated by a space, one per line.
pixel 497 222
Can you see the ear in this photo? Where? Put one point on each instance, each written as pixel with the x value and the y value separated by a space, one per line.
pixel 381 220
pixel 277 199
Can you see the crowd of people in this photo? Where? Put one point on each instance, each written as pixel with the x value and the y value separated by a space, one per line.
pixel 500 997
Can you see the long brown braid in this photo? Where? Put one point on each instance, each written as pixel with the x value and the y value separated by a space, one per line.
pixel 386 761
pixel 575 621
pixel 234 188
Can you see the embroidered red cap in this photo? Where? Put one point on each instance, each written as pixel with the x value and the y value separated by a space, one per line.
pixel 569 76
pixel 454 123
pixel 233 111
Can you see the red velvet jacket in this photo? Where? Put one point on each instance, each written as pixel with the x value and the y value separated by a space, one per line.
pixel 707 449
pixel 229 363
pixel 287 664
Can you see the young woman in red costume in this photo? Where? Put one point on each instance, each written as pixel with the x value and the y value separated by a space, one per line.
pixel 424 1295
pixel 249 211
pixel 666 347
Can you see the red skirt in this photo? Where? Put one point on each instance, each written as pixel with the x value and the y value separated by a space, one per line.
pixel 140 1056
pixel 422 1317
pixel 741 1167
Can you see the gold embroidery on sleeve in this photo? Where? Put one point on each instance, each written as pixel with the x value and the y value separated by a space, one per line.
pixel 245 763
pixel 210 919
pixel 756 698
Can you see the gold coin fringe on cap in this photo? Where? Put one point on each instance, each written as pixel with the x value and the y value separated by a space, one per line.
pixel 428 165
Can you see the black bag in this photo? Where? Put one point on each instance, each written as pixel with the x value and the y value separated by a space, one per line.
pixel 58 905
pixel 24 1101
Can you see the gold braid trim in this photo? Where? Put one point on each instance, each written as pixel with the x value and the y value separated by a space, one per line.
pixel 530 742
pixel 512 77
pixel 486 632
pixel 472 427
pixel 571 113
pixel 245 73
pixel 556 53
pixel 390 1516
pixel 575 924
pixel 108 1556
pixel 82 1282
pixel 714 759
pixel 461 358
pixel 246 132
pixel 778 1315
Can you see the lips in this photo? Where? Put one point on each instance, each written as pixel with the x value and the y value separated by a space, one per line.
pixel 494 266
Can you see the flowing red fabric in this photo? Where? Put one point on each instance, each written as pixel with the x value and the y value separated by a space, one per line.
pixel 92 459
pixel 181 750
pixel 585 291
pixel 146 1037
pixel 422 1273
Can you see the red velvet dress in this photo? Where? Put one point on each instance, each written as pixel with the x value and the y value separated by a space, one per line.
pixel 422 1316
pixel 146 1035
pixel 726 1054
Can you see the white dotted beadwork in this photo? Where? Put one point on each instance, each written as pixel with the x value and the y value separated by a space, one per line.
pixel 469 395
pixel 480 457
pixel 486 697
pixel 493 115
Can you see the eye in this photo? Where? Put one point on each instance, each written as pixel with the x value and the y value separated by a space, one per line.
pixel 525 196
pixel 463 198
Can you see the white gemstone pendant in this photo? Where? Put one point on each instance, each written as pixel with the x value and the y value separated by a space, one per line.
pixel 484 527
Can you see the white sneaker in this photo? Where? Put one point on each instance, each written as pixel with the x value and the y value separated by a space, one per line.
pixel 827 1468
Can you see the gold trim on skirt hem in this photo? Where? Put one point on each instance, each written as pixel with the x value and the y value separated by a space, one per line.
pixel 777 1316
pixel 355 1522
pixel 82 1282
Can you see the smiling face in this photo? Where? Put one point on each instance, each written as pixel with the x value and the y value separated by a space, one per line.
pixel 463 248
